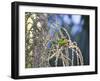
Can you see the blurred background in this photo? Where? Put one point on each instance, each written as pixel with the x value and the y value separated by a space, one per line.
pixel 78 28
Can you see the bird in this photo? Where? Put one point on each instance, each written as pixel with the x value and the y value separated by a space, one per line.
pixel 63 42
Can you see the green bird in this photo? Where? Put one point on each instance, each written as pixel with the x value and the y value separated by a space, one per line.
pixel 63 42
pixel 60 42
